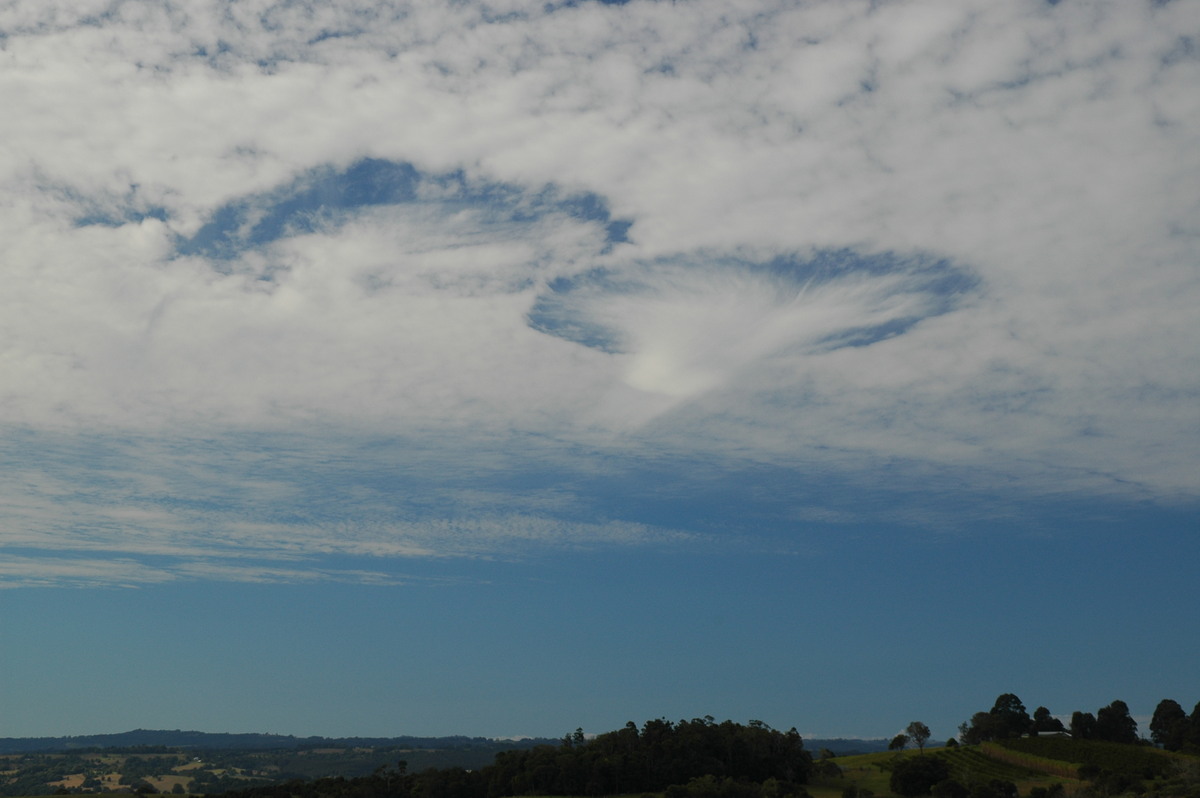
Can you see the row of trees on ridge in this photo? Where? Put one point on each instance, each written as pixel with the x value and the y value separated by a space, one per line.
pixel 689 759
pixel 1174 729
pixel 1171 727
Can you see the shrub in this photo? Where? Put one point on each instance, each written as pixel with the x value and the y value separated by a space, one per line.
pixel 995 788
pixel 949 789
pixel 916 776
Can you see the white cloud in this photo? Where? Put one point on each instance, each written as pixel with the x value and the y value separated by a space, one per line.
pixel 1047 150
pixel 51 572
pixel 116 511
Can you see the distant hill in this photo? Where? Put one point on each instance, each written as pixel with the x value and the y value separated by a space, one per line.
pixel 210 741
pixel 147 761
pixel 848 746
pixel 223 741
pixel 198 763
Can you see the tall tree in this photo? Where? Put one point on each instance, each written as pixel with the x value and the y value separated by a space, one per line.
pixel 1115 724
pixel 1012 719
pixel 1169 726
pixel 1043 721
pixel 898 743
pixel 982 726
pixel 1083 724
pixel 917 775
pixel 918 732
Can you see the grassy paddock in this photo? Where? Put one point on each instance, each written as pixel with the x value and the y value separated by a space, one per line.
pixel 866 771
pixel 967 766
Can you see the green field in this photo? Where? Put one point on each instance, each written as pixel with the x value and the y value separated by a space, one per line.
pixel 1133 760
pixel 1027 763
pixel 968 765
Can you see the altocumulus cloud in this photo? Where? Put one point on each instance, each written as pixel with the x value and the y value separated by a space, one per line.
pixel 292 282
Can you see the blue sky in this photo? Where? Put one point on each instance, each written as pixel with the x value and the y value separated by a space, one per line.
pixel 381 368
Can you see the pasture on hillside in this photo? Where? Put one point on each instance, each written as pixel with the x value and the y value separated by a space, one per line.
pixel 967 766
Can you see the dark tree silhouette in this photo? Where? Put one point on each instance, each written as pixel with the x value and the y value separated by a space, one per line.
pixel 1043 721
pixel 1115 724
pixel 916 776
pixel 1011 718
pixel 1083 725
pixel 1169 726
pixel 918 732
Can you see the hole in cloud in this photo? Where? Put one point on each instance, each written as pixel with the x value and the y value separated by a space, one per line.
pixel 110 210
pixel 327 198
pixel 686 325
pixel 577 3
pixel 121 216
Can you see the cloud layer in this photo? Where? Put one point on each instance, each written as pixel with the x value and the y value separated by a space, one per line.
pixel 821 237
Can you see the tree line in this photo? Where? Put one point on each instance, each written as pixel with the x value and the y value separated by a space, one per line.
pixel 1171 727
pixel 689 759
pixel 1175 730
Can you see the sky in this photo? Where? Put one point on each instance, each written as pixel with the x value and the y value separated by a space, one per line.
pixel 375 368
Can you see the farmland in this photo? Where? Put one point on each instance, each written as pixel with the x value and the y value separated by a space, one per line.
pixel 1005 768
pixel 968 765
pixel 167 770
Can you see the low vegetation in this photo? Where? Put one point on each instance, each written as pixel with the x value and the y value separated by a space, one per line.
pixel 1002 753
pixel 689 759
pixel 211 771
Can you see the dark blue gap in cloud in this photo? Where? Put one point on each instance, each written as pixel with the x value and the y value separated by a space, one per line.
pixel 1187 48
pixel 577 3
pixel 123 217
pixel 317 198
pixel 562 310
pixel 116 212
pixel 942 284
pixel 326 197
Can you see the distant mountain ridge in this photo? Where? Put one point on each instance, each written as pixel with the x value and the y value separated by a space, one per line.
pixel 846 746
pixel 220 741
pixel 160 738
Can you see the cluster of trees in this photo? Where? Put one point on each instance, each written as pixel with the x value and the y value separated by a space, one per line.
pixel 689 759
pixel 917 776
pixel 1170 727
pixel 1183 783
pixel 931 775
pixel 917 732
pixel 1007 718
pixel 1174 729
pixel 660 755
pixel 1111 723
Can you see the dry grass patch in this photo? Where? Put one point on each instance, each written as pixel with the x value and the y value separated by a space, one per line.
pixel 167 783
pixel 74 780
